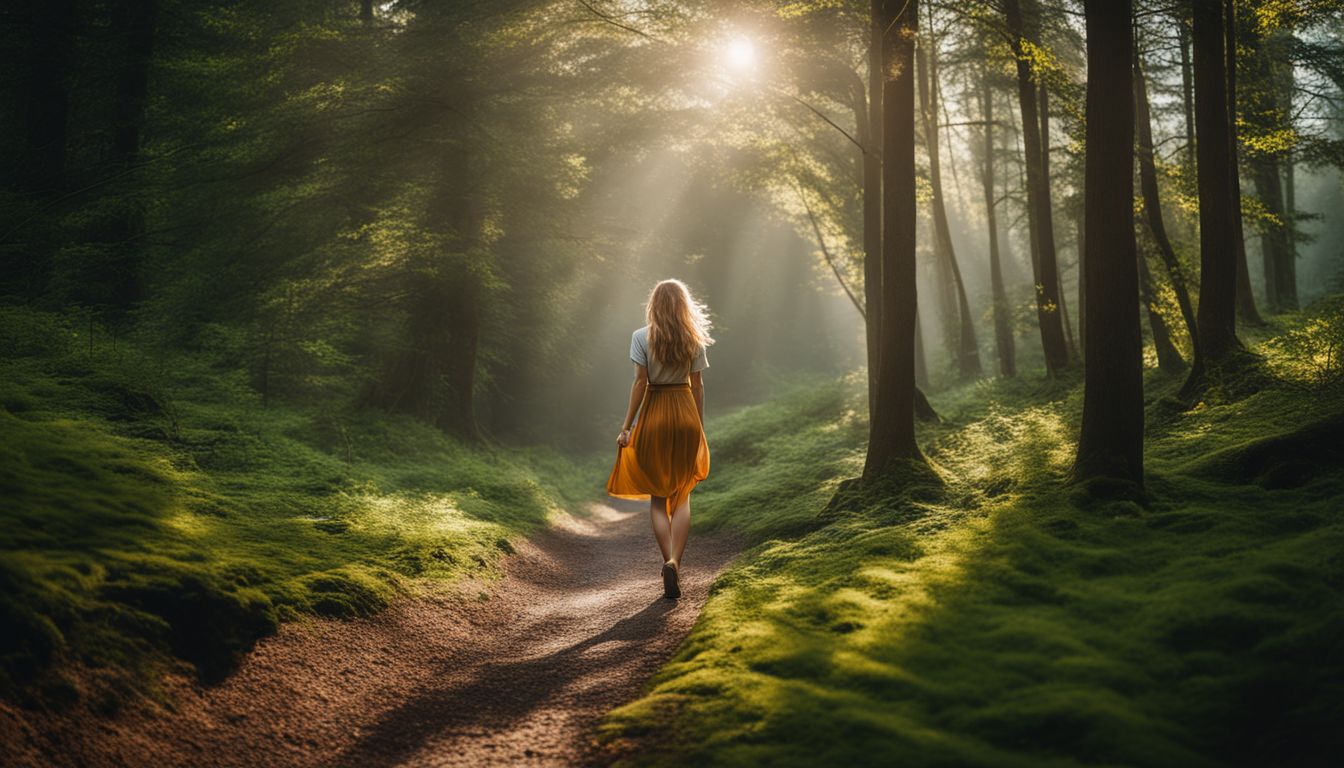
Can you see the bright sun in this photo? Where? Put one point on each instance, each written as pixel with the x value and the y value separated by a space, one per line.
pixel 741 54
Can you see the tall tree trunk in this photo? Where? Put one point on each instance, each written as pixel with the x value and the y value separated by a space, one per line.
pixel 366 12
pixel 872 206
pixel 967 348
pixel 1046 275
pixel 1245 297
pixel 1082 281
pixel 1111 440
pixel 892 431
pixel 1290 217
pixel 1280 272
pixel 1152 201
pixel 136 20
pixel 1217 258
pixel 1003 321
pixel 1045 174
pixel 1168 357
pixel 1187 92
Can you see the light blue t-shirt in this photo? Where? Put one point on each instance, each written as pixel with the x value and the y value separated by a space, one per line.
pixel 658 373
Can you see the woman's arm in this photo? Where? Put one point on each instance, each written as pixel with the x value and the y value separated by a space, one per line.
pixel 698 390
pixel 637 389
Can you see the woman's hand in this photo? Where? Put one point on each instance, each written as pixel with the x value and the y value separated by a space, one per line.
pixel 623 439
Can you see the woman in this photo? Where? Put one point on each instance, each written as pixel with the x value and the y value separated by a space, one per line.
pixel 666 454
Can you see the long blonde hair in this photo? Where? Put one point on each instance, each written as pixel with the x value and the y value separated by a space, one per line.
pixel 678 324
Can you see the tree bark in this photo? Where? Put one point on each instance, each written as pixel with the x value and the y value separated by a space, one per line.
pixel 1245 297
pixel 1023 27
pixel 1217 243
pixel 1110 443
pixel 1187 92
pixel 1152 201
pixel 1003 322
pixel 967 349
pixel 1082 281
pixel 892 430
pixel 1280 269
pixel 872 206
pixel 1045 174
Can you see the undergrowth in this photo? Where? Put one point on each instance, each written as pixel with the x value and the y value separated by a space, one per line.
pixel 156 512
pixel 1003 617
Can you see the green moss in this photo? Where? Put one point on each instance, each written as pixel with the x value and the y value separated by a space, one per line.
pixel 155 511
pixel 1003 617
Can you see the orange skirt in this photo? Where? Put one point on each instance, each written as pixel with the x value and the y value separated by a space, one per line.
pixel 667 454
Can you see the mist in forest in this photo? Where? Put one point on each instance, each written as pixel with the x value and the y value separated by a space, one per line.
pixel 1023 404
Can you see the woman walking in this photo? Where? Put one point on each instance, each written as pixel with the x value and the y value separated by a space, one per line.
pixel 665 455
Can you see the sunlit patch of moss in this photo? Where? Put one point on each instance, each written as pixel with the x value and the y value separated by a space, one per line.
pixel 156 511
pixel 1009 619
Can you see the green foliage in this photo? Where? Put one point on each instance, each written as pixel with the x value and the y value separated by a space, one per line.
pixel 1001 617
pixel 156 511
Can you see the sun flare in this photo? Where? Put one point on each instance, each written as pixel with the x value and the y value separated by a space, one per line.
pixel 740 54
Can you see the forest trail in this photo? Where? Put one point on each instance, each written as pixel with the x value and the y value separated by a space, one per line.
pixel 514 672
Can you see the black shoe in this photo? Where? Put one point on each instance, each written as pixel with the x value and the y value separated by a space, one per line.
pixel 671 580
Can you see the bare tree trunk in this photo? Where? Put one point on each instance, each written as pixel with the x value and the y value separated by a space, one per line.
pixel 1245 297
pixel 1280 272
pixel 967 348
pixel 892 430
pixel 1290 221
pixel 1003 322
pixel 1038 192
pixel 1045 174
pixel 1110 443
pixel 872 206
pixel 1082 281
pixel 1152 201
pixel 1187 92
pixel 1217 210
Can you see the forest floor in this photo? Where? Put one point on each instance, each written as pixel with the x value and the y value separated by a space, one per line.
pixel 516 671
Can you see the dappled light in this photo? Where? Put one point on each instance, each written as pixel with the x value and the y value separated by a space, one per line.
pixel 671 383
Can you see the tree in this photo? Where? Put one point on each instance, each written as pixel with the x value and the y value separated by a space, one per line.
pixel 1245 298
pixel 1111 440
pixel 1023 25
pixel 1216 318
pixel 872 204
pixel 1003 322
pixel 1152 200
pixel 1266 112
pixel 891 434
pixel 967 349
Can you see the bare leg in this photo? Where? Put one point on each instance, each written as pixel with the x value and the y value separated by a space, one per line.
pixel 661 529
pixel 680 529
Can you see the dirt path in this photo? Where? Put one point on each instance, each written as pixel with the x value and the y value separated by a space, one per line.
pixel 519 677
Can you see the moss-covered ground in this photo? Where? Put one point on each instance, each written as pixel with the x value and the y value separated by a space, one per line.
pixel 154 511
pixel 1002 616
